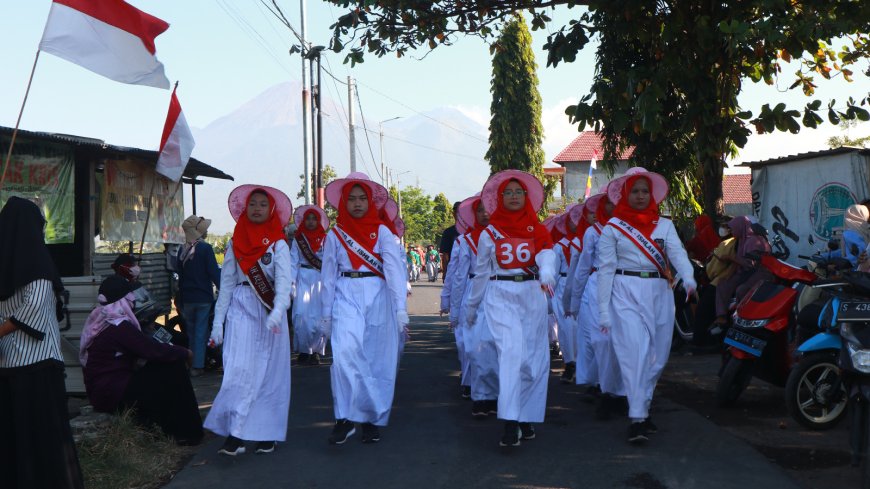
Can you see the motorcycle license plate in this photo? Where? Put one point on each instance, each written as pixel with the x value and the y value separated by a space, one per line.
pixel 745 342
pixel 854 311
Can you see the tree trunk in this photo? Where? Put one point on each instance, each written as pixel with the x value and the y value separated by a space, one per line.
pixel 714 204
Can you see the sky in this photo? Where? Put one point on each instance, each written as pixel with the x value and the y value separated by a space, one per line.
pixel 224 52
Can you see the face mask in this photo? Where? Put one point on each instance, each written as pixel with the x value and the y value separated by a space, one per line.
pixel 135 271
pixel 724 232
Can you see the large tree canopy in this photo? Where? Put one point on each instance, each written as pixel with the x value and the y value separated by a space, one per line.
pixel 668 73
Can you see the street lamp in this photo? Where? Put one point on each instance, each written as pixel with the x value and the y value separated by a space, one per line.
pixel 399 190
pixel 381 133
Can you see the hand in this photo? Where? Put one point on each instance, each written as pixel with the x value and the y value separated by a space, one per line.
pixel 453 323
pixel 217 336
pixel 273 322
pixel 548 281
pixel 406 334
pixel 470 317
pixel 691 293
pixel 402 320
pixel 325 327
pixel 605 328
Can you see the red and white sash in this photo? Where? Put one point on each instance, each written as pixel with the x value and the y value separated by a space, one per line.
pixel 471 243
pixel 370 259
pixel 305 249
pixel 261 286
pixel 649 248
pixel 598 228
pixel 513 253
pixel 565 243
pixel 577 244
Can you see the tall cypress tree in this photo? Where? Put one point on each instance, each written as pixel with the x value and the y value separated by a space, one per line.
pixel 515 129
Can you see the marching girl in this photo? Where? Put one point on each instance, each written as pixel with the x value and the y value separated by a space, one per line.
pixel 307 258
pixel 567 325
pixel 254 399
pixel 513 274
pixel 447 292
pixel 635 300
pixel 363 307
pixel 481 370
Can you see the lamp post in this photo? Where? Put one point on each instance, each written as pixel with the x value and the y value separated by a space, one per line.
pixel 399 191
pixel 313 55
pixel 381 134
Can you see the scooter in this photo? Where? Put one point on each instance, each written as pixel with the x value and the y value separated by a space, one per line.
pixel 762 331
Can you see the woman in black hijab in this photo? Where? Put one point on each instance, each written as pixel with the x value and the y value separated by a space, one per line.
pixel 36 445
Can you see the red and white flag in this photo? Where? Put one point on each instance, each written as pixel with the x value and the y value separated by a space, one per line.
pixel 177 142
pixel 109 37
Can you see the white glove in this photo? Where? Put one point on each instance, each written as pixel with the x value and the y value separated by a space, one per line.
pixel 325 327
pixel 217 335
pixel 402 319
pixel 273 322
pixel 547 278
pixel 470 316
pixel 604 324
pixel 445 306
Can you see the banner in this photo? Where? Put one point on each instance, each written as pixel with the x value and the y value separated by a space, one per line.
pixel 44 174
pixel 124 201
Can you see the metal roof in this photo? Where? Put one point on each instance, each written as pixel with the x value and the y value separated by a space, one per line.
pixel 195 168
pixel 806 156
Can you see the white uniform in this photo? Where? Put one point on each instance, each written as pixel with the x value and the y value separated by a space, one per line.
pixel 365 334
pixel 516 313
pixel 639 310
pixel 254 399
pixel 446 302
pixel 567 326
pixel 306 303
pixel 481 354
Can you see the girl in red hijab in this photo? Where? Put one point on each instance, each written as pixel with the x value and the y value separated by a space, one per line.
pixel 513 273
pixel 637 251
pixel 251 311
pixel 306 255
pixel 363 307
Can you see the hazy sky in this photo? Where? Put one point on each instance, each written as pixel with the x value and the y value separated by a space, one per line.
pixel 225 52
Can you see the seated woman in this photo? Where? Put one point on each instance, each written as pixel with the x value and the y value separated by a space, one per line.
pixel 747 273
pixel 124 368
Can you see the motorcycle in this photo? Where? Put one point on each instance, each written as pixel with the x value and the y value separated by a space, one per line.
pixel 760 339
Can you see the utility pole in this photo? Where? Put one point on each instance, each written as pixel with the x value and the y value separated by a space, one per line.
pixel 350 123
pixel 319 169
pixel 306 108
pixel 383 167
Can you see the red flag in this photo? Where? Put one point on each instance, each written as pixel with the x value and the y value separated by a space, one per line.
pixel 177 142
pixel 109 37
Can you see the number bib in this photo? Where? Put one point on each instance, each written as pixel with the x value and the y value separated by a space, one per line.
pixel 515 253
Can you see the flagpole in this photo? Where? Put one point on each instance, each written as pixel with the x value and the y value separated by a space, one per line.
pixel 18 122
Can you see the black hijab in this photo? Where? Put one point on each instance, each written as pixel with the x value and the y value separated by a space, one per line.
pixel 23 254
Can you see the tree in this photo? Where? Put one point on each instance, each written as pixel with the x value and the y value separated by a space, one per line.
pixel 846 139
pixel 442 215
pixel 515 130
pixel 668 72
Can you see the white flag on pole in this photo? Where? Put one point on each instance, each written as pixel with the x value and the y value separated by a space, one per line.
pixel 177 143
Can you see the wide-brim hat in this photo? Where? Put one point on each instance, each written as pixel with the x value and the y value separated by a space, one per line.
pixel 593 202
pixel 659 185
pixel 334 189
pixel 391 209
pixel 534 189
pixel 238 201
pixel 299 215
pixel 400 226
pixel 550 223
pixel 575 213
pixel 562 223
pixel 466 212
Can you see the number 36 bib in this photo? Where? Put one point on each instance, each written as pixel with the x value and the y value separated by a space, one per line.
pixel 513 253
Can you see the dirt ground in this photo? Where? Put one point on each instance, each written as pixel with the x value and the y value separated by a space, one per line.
pixel 815 459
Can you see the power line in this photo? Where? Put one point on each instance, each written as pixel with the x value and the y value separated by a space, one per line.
pixel 406 141
pixel 247 29
pixel 366 132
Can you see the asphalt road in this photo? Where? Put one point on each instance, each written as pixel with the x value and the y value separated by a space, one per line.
pixel 432 440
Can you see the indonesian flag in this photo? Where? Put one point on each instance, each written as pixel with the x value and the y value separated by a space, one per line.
pixel 109 37
pixel 177 143
pixel 593 165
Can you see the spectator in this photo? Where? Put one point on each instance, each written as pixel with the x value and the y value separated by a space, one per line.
pixel 448 237
pixel 701 245
pixel 112 349
pixel 36 444
pixel 433 262
pixel 414 264
pixel 745 277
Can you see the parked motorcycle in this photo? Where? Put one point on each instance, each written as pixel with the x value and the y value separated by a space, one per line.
pixel 760 339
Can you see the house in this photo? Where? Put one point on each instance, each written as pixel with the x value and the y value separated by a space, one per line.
pixel 737 194
pixel 576 158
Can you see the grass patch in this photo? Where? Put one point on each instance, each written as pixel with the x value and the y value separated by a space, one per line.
pixel 125 455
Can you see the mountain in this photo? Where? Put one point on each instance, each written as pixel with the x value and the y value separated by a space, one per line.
pixel 261 142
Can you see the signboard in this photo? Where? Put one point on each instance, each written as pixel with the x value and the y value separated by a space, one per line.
pixel 804 201
pixel 44 174
pixel 124 202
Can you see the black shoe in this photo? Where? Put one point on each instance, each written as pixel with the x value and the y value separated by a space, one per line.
pixel 603 408
pixel 591 394
pixel 370 433
pixel 314 359
pixel 527 431
pixel 636 434
pixel 266 447
pixel 492 406
pixel 620 405
pixel 569 373
pixel 232 447
pixel 479 409
pixel 342 430
pixel 649 427
pixel 302 359
pixel 511 437
pixel 466 392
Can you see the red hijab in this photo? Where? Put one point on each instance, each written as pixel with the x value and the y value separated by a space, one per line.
pixel 582 225
pixel 706 239
pixel 385 219
pixel 314 237
pixel 478 227
pixel 363 230
pixel 601 216
pixel 251 240
pixel 644 220
pixel 522 223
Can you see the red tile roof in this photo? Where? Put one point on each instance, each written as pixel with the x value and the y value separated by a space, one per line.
pixel 583 147
pixel 737 189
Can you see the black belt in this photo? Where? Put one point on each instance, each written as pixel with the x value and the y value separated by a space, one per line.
pixel 471 275
pixel 308 267
pixel 246 283
pixel 516 278
pixel 630 273
pixel 359 274
pixel 563 274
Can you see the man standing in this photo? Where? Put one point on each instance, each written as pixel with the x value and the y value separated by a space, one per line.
pixel 448 237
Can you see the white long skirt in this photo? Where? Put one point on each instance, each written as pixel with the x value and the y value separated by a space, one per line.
pixel 365 350
pixel 642 313
pixel 459 333
pixel 587 368
pixel 599 346
pixel 306 313
pixel 516 313
pixel 567 331
pixel 482 361
pixel 253 403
